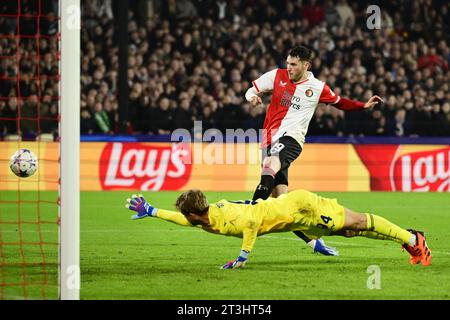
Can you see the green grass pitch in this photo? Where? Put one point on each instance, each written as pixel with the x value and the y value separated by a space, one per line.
pixel 28 245
pixel 156 259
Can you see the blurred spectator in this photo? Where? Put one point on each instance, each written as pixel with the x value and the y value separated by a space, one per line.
pixel 332 16
pixel 49 116
pixel 185 9
pixel 399 127
pixel 313 12
pixel 28 117
pixel 162 122
pixel 183 117
pixel 439 120
pixel 424 127
pixel 317 123
pixel 102 120
pixel 86 122
pixel 255 117
pixel 376 125
pixel 430 59
pixel 207 118
pixel 347 17
pixel 8 111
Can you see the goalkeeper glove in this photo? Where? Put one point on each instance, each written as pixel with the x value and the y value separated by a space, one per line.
pixel 319 246
pixel 142 207
pixel 238 263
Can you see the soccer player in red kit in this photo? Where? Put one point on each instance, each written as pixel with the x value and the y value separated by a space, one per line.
pixel 295 96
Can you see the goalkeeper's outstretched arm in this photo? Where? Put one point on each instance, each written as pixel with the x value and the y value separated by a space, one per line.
pixel 175 217
pixel 144 209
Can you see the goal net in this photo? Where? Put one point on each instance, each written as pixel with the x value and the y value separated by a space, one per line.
pixel 31 108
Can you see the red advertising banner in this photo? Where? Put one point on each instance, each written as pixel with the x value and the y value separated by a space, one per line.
pixel 137 166
pixel 406 168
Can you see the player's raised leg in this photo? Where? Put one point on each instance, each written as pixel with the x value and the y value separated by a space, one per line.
pixel 376 227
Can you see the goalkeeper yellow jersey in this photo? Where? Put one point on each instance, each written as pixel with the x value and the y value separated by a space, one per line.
pixel 297 210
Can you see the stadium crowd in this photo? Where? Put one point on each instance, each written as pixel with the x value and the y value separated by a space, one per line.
pixel 29 72
pixel 194 59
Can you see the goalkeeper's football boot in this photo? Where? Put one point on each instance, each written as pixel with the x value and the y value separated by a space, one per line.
pixel 426 257
pixel 420 251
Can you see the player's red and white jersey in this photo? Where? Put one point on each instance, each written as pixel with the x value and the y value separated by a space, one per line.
pixel 292 104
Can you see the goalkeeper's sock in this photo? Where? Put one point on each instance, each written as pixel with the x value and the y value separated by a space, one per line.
pixel 380 228
pixel 375 235
pixel 265 187
pixel 304 237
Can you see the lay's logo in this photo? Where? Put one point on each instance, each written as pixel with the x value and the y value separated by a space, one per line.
pixel 138 166
pixel 423 171
pixel 427 170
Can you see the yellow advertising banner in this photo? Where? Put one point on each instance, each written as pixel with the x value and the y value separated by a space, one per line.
pixel 234 167
pixel 47 174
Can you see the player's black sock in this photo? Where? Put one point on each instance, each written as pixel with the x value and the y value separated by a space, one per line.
pixel 265 187
pixel 303 236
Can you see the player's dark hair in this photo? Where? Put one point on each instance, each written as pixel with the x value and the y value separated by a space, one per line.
pixel 302 53
pixel 192 201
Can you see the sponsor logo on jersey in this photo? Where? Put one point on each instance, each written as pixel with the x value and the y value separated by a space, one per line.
pixel 286 99
pixel 295 103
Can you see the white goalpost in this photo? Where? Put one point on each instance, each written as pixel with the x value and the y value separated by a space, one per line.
pixel 69 209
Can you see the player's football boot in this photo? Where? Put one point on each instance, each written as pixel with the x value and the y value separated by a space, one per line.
pixel 426 257
pixel 420 251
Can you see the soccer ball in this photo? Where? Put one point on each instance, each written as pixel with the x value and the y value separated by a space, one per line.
pixel 23 163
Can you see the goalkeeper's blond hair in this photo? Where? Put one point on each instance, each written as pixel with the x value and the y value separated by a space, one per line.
pixel 192 201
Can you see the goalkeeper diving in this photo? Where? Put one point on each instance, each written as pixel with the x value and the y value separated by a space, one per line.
pixel 298 210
